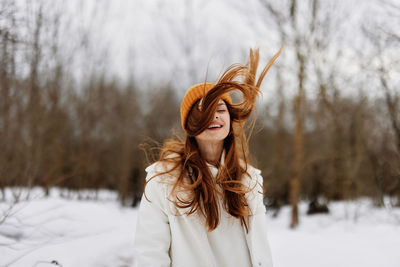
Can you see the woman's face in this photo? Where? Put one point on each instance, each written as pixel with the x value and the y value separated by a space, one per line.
pixel 219 128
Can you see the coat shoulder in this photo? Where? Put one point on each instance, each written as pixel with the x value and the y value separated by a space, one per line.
pixel 253 175
pixel 254 182
pixel 159 167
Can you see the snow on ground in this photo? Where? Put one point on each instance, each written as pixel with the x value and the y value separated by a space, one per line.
pixel 88 233
pixel 354 235
pixel 75 233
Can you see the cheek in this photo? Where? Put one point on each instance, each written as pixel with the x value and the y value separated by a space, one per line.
pixel 227 129
pixel 227 124
pixel 227 119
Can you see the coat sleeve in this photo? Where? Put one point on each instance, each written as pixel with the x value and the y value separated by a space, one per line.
pixel 261 248
pixel 153 235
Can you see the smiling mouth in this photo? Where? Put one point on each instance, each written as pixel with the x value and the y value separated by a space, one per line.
pixel 214 127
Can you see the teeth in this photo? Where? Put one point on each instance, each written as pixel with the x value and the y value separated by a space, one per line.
pixel 215 126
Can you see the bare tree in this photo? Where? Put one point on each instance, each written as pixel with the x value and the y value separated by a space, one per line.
pixel 8 44
pixel 302 25
pixel 383 65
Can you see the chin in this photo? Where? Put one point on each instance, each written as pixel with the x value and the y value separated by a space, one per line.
pixel 217 138
pixel 212 137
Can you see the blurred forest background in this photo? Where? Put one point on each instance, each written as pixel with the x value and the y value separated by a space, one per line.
pixel 328 126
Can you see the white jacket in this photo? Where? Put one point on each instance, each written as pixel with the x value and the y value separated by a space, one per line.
pixel 164 239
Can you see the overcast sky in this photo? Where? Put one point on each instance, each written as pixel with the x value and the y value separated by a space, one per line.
pixel 174 42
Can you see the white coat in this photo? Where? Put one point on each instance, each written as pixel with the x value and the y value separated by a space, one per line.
pixel 164 239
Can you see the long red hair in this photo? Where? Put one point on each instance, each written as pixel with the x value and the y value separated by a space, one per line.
pixel 190 170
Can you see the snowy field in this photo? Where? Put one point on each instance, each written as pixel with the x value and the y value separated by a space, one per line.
pixel 87 233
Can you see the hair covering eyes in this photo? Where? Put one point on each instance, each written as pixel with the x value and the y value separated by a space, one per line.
pixel 237 77
pixel 195 93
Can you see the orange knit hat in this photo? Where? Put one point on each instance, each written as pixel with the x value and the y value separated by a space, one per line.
pixel 194 93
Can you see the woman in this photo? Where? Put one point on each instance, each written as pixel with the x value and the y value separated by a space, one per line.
pixel 203 201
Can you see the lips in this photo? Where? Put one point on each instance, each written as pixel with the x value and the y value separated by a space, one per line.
pixel 214 126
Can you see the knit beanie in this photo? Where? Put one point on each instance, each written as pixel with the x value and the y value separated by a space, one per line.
pixel 195 93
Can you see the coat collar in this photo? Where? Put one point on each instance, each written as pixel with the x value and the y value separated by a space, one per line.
pixel 213 169
pixel 248 236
